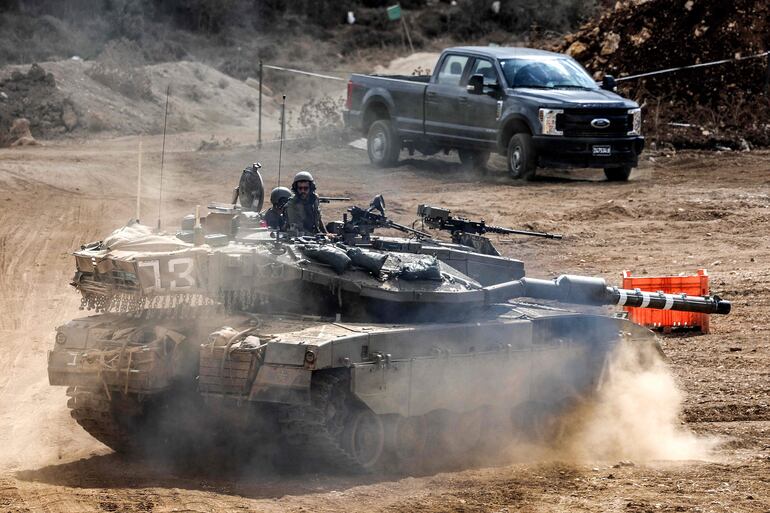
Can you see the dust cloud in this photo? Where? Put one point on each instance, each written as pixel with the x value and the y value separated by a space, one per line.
pixel 636 415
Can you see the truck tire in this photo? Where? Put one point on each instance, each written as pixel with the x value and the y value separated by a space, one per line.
pixel 474 159
pixel 617 174
pixel 522 161
pixel 383 144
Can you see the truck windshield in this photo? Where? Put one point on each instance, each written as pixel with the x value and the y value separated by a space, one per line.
pixel 546 74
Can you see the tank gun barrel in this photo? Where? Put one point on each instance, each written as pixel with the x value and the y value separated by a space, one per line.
pixel 588 290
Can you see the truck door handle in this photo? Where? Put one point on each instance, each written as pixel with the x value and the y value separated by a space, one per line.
pixel 430 94
pixel 462 99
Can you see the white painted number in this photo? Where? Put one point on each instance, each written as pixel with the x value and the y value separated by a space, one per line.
pixel 185 274
pixel 180 272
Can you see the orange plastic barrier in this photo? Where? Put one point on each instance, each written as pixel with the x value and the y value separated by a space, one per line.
pixel 666 319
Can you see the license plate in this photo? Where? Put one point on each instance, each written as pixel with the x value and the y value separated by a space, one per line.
pixel 602 150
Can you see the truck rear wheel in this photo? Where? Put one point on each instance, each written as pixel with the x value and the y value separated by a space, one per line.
pixel 474 160
pixel 522 162
pixel 382 144
pixel 617 174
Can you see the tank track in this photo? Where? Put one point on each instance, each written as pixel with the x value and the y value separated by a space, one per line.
pixel 315 430
pixel 92 409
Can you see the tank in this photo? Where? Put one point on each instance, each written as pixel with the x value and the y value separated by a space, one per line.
pixel 352 350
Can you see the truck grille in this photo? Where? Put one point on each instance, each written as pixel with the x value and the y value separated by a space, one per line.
pixel 577 122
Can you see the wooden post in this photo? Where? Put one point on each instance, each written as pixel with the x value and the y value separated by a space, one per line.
pixel 406 31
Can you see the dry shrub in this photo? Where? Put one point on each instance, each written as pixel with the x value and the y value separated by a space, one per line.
pixel 320 120
pixel 120 67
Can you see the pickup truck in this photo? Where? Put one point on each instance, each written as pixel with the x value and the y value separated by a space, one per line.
pixel 538 108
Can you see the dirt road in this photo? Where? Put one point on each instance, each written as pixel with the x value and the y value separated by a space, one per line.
pixel 678 213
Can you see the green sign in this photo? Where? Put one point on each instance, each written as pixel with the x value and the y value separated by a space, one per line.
pixel 394 12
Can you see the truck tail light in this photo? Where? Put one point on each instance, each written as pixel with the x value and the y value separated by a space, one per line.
pixel 349 100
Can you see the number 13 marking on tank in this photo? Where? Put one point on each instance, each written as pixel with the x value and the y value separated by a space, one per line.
pixel 179 269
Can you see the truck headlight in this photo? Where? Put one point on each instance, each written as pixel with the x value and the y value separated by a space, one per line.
pixel 548 121
pixel 636 121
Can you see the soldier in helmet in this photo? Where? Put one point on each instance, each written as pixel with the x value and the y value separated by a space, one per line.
pixel 303 212
pixel 275 216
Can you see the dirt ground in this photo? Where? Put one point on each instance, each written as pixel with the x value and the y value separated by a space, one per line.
pixel 678 213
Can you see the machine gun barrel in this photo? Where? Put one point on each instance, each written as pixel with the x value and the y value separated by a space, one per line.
pixel 329 199
pixel 588 290
pixel 500 229
pixel 406 229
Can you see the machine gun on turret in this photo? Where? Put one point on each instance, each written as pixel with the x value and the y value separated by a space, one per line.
pixel 358 223
pixel 442 219
pixel 470 233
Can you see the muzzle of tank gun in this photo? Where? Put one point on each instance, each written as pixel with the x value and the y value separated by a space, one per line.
pixel 587 290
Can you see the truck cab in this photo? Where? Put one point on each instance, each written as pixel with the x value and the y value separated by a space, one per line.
pixel 538 108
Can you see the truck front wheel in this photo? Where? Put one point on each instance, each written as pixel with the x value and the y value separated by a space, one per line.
pixel 522 162
pixel 617 174
pixel 382 144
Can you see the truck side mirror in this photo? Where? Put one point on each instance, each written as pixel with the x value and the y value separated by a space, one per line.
pixel 475 84
pixel 609 83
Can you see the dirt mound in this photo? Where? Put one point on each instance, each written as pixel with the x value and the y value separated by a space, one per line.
pixel 722 104
pixel 76 96
pixel 34 96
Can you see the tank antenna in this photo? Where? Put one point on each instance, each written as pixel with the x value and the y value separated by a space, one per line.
pixel 162 155
pixel 139 181
pixel 283 133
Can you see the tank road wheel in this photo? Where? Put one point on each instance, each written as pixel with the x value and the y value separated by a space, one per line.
pixel 364 438
pixel 334 430
pixel 383 144
pixel 407 440
pixel 522 161
pixel 474 160
pixel 617 174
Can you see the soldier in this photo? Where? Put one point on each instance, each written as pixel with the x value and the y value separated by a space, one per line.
pixel 303 212
pixel 275 216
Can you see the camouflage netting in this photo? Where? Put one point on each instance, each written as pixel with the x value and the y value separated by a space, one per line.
pixel 34 96
pixel 727 104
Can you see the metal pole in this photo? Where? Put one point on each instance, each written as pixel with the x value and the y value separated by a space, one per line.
pixel 139 181
pixel 259 131
pixel 163 155
pixel 283 133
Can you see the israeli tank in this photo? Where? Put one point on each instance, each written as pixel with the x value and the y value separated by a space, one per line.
pixel 352 349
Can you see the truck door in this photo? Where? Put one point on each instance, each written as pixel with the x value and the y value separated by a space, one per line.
pixel 445 97
pixel 481 111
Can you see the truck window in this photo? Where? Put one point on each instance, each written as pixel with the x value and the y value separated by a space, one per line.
pixel 452 70
pixel 486 69
pixel 549 74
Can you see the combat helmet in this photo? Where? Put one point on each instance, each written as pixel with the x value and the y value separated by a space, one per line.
pixel 303 176
pixel 279 196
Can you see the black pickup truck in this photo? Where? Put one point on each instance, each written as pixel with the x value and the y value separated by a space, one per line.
pixel 540 109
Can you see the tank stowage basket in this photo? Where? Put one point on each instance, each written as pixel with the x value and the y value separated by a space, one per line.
pixel 697 285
